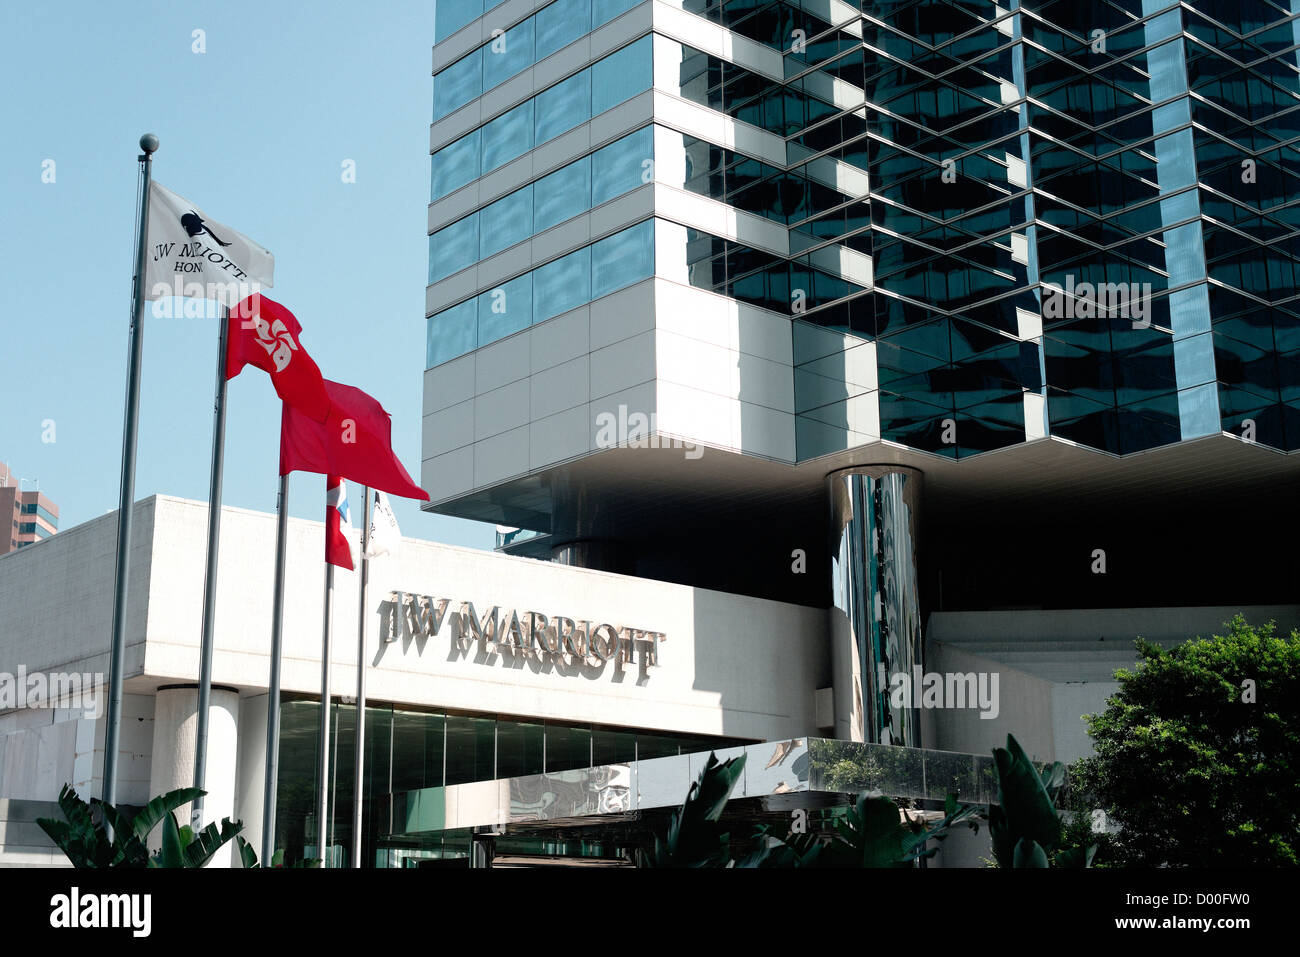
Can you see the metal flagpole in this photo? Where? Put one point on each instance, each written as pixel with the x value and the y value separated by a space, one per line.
pixel 210 576
pixel 126 499
pixel 273 694
pixel 361 682
pixel 322 781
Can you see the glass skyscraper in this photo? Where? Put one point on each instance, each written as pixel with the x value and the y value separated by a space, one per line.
pixel 722 293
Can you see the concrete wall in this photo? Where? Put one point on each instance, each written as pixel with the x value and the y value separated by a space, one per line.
pixel 1071 700
pixel 56 597
pixel 730 664
pixel 42 749
pixel 56 612
pixel 1024 708
pixel 1102 624
pixel 22 842
pixel 1055 666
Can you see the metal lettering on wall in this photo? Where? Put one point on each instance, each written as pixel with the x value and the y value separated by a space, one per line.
pixel 560 639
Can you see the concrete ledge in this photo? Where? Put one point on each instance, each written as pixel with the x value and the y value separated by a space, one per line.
pixel 23 834
pixel 14 810
pixel 32 857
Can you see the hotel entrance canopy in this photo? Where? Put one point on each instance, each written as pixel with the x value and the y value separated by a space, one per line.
pixel 622 804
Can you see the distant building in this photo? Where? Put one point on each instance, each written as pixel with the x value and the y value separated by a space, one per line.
pixel 33 517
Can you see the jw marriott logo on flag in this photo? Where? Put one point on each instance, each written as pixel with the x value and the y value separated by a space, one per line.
pixel 190 255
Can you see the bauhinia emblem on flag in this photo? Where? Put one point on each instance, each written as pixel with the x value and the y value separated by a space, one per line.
pixel 385 537
pixel 189 254
pixel 265 334
pixel 338 546
pixel 354 442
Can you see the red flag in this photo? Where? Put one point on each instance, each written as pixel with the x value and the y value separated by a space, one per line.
pixel 338 550
pixel 354 442
pixel 263 333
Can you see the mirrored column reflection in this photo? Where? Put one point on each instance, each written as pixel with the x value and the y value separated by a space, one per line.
pixel 876 613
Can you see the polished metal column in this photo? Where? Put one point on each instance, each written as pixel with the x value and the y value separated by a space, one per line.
pixel 876 613
pixel 602 556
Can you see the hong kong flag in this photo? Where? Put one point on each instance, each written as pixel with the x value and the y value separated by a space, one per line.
pixel 265 334
pixel 338 548
pixel 354 442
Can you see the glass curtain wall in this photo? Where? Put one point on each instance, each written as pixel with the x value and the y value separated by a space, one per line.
pixel 413 750
pixel 566 283
pixel 513 51
pixel 603 85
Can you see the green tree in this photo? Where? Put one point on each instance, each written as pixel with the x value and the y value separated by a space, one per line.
pixel 1198 754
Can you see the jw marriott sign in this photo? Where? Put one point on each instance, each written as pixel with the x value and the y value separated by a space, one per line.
pixel 527 633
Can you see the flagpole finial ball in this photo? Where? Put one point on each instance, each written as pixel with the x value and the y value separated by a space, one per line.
pixel 149 143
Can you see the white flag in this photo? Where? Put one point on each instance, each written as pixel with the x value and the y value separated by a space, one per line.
pixel 385 537
pixel 188 254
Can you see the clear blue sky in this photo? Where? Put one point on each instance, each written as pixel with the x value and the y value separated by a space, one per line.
pixel 254 131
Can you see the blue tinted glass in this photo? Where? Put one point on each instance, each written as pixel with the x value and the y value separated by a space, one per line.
pixel 450 15
pixel 602 11
pixel 622 259
pixel 452 333
pixel 1189 311
pixel 618 167
pixel 621 76
pixel 562 285
pixel 1178 209
pixel 508 136
pixel 560 24
pixel 453 248
pixel 563 106
pixel 1184 247
pixel 456 85
pixel 505 309
pixel 1198 411
pixel 1194 361
pixel 507 54
pixel 1176 163
pixel 507 221
pixel 562 194
pixel 455 165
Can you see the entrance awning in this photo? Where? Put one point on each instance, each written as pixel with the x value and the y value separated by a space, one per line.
pixel 778 776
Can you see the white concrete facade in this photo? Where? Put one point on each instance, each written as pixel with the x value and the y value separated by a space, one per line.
pixel 728 665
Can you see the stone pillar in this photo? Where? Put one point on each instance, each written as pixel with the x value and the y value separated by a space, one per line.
pixel 876 614
pixel 252 769
pixel 174 729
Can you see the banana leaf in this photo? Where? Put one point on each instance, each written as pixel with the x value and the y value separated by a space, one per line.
pixel 1026 806
pixel 128 849
pixel 1077 856
pixel 247 856
pixel 172 853
pixel 1003 838
pixel 82 840
pixel 693 838
pixel 157 809
pixel 208 841
pixel 1029 854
